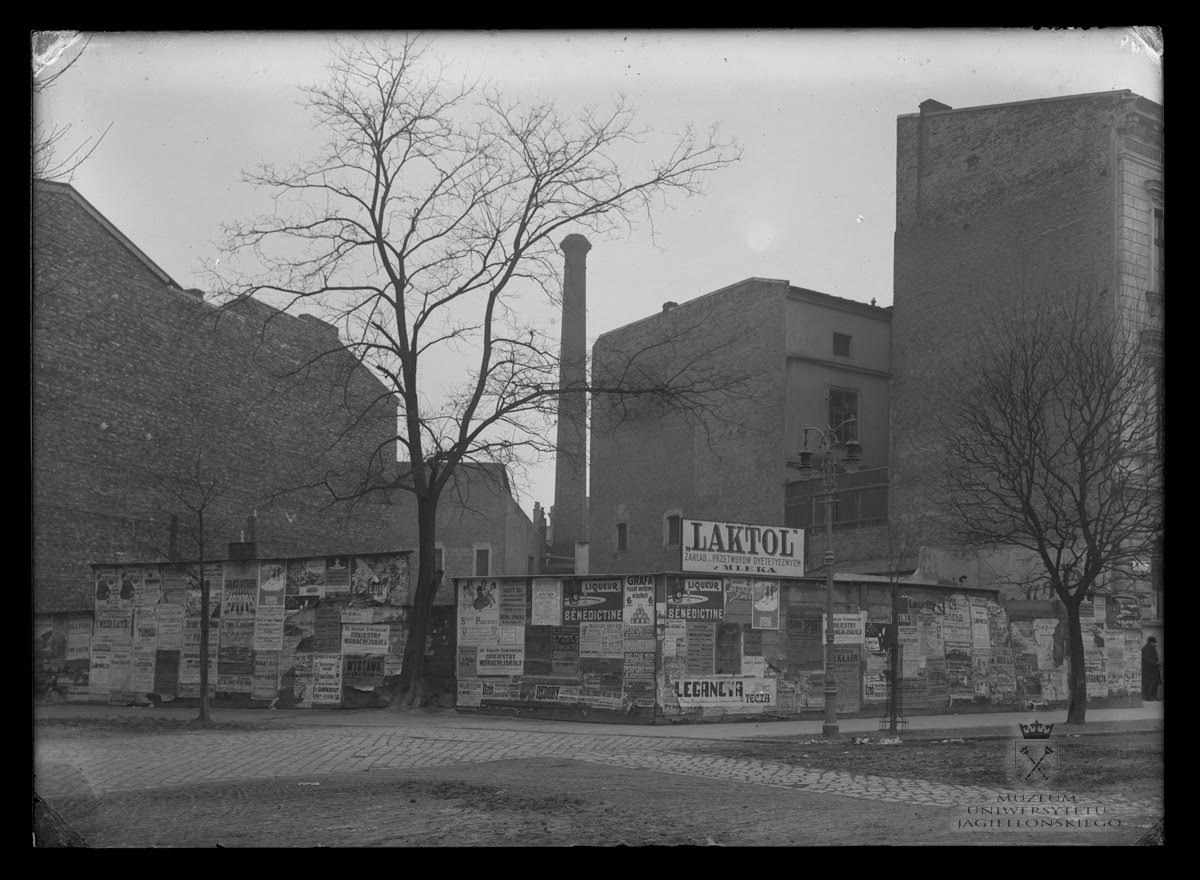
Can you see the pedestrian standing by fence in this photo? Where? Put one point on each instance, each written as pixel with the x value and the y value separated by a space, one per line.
pixel 1151 670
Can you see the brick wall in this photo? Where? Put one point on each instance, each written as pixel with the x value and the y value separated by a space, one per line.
pixel 994 204
pixel 723 465
pixel 132 379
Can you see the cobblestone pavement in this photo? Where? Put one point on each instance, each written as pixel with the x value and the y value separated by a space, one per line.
pixel 73 766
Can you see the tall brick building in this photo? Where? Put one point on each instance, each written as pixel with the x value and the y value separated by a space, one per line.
pixel 1036 198
pixel 796 358
pixel 139 387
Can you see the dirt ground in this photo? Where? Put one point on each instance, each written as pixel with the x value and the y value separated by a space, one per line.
pixel 560 802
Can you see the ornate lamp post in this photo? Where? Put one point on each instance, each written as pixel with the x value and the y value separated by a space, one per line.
pixel 827 443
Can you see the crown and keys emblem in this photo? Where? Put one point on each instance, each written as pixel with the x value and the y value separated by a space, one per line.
pixel 1037 730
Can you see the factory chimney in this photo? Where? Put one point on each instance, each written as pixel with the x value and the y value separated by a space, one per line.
pixel 569 515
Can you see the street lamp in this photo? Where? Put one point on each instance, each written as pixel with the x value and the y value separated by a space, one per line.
pixel 827 442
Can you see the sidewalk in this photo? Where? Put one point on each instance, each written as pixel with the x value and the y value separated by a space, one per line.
pixel 1146 717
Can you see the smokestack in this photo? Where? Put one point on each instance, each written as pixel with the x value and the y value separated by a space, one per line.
pixel 570 471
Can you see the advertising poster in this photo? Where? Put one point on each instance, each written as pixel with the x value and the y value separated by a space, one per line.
pixel 911 658
pixel 601 640
pixel 810 690
pixel 268 627
pixel 174 584
pixel 1122 612
pixel 501 690
pixel 108 585
pixel 149 591
pixel 120 668
pixel 1100 609
pixel 675 638
pixel 364 638
pixel 327 628
pixel 114 626
pixel 805 638
pixel 601 674
pixel 470 693
pixel 337 576
pixel 997 624
pixel 565 659
pixel 637 678
pixel 728 649
pixel 594 601
pixel 539 650
pixel 754 665
pixel 877 636
pixel 467 656
pixel 166 672
pixel 99 669
pixel 738 547
pixel 170 627
pixel 381 579
pixel 697 599
pixel 764 612
pixel 547 603
pixel 141 671
pixel 305 582
pixel 327 679
pixel 79 638
pixel 733 694
pixel 956 621
pixel 478 613
pixel 739 598
pixel 1002 675
pixel 701 647
pixel 145 627
pixel 981 632
pixel 130 586
pixel 849 629
pixel 847 675
pixel 500 660
pixel 272 583
pixel 512 613
pixel 638 618
pixel 265 683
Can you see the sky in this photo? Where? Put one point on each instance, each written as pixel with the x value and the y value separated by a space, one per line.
pixel 812 200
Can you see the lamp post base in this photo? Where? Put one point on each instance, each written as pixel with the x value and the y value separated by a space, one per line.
pixel 830 731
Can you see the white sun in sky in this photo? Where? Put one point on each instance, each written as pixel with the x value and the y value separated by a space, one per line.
pixel 759 235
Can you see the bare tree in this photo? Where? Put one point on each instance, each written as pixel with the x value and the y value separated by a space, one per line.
pixel 427 227
pixel 54 53
pixel 1055 450
pixel 196 491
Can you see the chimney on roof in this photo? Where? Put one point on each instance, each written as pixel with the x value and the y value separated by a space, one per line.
pixel 668 305
pixel 931 106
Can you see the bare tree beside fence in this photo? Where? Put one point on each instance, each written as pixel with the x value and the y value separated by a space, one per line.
pixel 427 229
pixel 1055 449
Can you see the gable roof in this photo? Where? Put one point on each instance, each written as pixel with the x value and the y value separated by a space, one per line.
pixel 55 186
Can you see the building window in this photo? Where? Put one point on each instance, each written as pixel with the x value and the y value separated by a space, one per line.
pixel 841 345
pixel 674 530
pixel 622 537
pixel 862 498
pixel 843 406
pixel 483 561
pixel 439 557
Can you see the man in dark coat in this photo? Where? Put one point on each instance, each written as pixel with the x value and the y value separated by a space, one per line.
pixel 1151 670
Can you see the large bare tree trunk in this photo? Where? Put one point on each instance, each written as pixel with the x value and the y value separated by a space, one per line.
pixel 1076 673
pixel 410 689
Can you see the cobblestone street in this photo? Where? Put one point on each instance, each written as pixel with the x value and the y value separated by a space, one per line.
pixel 79 767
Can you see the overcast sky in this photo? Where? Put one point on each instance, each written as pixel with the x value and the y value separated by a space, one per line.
pixel 812 201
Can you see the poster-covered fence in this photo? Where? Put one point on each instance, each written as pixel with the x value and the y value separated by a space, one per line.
pixel 293 632
pixel 328 632
pixel 663 646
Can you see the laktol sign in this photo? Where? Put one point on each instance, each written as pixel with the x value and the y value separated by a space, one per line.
pixel 737 547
